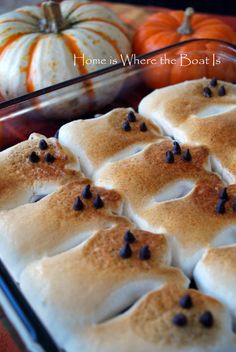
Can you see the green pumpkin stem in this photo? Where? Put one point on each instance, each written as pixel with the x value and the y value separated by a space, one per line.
pixel 53 21
pixel 185 27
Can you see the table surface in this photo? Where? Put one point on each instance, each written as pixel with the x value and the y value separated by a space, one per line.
pixel 133 16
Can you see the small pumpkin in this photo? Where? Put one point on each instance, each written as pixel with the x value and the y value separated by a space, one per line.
pixel 166 28
pixel 41 46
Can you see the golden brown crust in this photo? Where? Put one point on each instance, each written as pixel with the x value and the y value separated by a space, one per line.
pixel 148 326
pixel 100 254
pixel 102 138
pixel 192 221
pixel 221 258
pixel 143 175
pixel 20 175
pixel 19 165
pixel 195 214
pixel 61 202
pixel 189 100
pixel 180 106
pixel 93 282
pixel 110 242
pixel 52 225
pixel 152 319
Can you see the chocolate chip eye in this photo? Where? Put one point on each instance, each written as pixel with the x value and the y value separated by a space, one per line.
pixel 144 253
pixel 86 192
pixel 186 302
pixel 129 237
pixel 207 92
pixel 180 320
pixel 206 319
pixel 176 148
pixel 220 206
pixel 169 157
pixel 131 116
pixel 222 91
pixel 49 158
pixel 98 203
pixel 224 194
pixel 143 127
pixel 213 82
pixel 126 126
pixel 34 158
pixel 43 144
pixel 187 156
pixel 78 204
pixel 125 251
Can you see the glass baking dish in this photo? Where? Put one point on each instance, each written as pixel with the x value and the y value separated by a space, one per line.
pixel 46 110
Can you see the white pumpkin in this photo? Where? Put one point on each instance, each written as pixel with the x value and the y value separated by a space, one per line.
pixel 41 46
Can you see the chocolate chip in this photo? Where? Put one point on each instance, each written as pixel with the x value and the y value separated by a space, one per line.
pixel 49 158
pixel 169 157
pixel 176 148
pixel 207 92
pixel 43 144
pixel 98 203
pixel 180 320
pixel 206 319
pixel 220 206
pixel 224 194
pixel 143 127
pixel 213 82
pixel 125 251
pixel 144 253
pixel 34 158
pixel 129 237
pixel 187 155
pixel 86 193
pixel 78 204
pixel 222 91
pixel 234 205
pixel 131 116
pixel 126 126
pixel 186 302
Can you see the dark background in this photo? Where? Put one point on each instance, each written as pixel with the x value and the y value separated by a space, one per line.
pixel 226 7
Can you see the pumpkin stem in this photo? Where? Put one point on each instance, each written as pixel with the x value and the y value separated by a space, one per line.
pixel 53 20
pixel 185 27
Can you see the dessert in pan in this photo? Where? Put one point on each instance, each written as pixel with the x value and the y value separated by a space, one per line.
pixel 59 221
pixel 199 112
pixel 106 261
pixel 170 319
pixel 95 281
pixel 175 196
pixel 100 140
pixel 34 168
pixel 167 187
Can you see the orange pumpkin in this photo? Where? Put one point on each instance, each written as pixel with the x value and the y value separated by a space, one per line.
pixel 166 28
